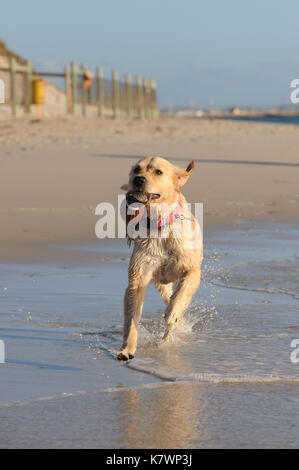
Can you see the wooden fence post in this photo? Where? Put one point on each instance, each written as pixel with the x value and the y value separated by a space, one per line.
pixel 155 100
pixel 100 91
pixel 74 86
pixel 140 97
pixel 129 94
pixel 13 85
pixel 115 93
pixel 84 90
pixel 146 98
pixel 68 90
pixel 150 98
pixel 28 93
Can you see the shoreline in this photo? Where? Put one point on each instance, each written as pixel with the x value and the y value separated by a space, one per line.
pixel 71 253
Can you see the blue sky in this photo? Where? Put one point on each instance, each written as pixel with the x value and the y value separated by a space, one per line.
pixel 226 52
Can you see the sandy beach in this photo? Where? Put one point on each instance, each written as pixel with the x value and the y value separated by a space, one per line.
pixel 85 92
pixel 226 376
pixel 55 172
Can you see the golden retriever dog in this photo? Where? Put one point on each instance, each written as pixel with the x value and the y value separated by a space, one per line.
pixel 171 259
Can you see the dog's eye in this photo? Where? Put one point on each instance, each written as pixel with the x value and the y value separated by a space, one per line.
pixel 158 172
pixel 137 170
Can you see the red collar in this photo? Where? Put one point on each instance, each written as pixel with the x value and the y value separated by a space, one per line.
pixel 170 218
pixel 175 214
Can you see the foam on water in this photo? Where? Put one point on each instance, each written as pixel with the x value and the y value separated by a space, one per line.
pixel 273 276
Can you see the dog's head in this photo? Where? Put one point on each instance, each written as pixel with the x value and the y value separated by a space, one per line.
pixel 158 178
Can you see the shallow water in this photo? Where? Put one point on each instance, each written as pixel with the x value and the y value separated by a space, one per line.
pixel 225 379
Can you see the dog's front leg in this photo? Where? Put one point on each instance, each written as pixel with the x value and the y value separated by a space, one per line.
pixel 133 303
pixel 140 275
pixel 180 300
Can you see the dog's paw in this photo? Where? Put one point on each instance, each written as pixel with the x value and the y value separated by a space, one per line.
pixel 124 357
pixel 168 332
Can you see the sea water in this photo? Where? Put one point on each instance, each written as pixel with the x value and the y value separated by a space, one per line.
pixel 226 377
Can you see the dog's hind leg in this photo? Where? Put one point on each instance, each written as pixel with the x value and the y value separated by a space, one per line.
pixel 180 300
pixel 166 291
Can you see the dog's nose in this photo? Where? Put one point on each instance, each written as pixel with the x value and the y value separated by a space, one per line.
pixel 139 181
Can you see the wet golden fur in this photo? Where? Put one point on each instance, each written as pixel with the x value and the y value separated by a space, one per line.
pixel 166 262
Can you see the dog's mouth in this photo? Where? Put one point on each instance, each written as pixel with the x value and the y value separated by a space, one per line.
pixel 154 196
pixel 141 196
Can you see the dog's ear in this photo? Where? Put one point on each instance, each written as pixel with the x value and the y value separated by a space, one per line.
pixel 182 176
pixel 124 187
